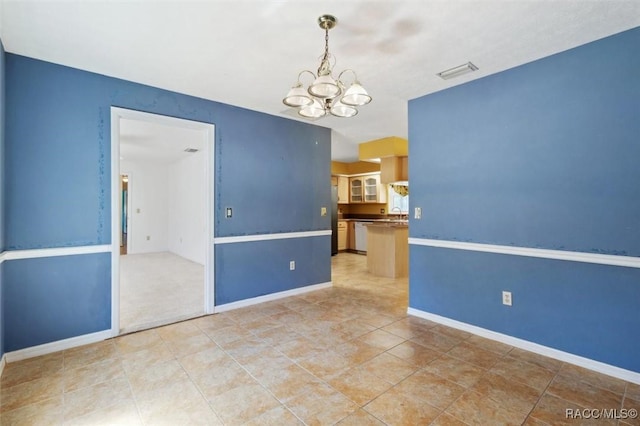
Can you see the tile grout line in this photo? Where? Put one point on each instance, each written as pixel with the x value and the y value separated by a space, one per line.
pixel 544 392
pixel 321 380
pixel 466 389
pixel 192 381
pixel 133 395
pixel 249 373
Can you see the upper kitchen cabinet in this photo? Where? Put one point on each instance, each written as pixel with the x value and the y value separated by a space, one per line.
pixel 367 189
pixel 356 185
pixel 371 189
pixel 358 182
pixel 374 191
pixel 394 169
pixel 343 190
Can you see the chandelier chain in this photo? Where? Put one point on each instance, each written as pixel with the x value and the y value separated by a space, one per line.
pixel 326 43
pixel 325 66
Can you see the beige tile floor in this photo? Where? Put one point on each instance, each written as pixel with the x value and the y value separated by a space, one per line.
pixel 348 355
pixel 159 289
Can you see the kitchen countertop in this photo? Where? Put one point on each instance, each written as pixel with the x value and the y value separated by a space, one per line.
pixel 389 224
pixel 377 221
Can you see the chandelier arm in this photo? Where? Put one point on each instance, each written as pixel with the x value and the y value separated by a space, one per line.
pixel 305 71
pixel 355 76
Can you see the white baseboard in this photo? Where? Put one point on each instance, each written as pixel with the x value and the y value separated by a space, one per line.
pixel 270 297
pixel 600 367
pixel 57 346
pixel 86 339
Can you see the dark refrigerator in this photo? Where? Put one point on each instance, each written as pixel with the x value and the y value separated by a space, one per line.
pixel 334 220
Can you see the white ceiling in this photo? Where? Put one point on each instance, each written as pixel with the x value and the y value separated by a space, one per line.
pixel 157 143
pixel 249 53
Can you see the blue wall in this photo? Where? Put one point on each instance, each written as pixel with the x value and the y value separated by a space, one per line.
pixel 274 172
pixel 544 155
pixel 55 298
pixel 269 271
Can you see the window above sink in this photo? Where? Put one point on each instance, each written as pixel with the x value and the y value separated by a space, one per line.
pixel 396 203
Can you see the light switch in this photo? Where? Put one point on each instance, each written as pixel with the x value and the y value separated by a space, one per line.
pixel 229 212
pixel 417 213
pixel 323 211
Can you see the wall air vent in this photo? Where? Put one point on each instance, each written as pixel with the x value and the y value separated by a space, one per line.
pixel 191 150
pixel 457 71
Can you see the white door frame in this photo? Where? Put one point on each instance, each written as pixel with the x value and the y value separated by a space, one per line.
pixel 209 282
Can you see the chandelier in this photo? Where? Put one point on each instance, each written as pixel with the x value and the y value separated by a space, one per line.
pixel 326 94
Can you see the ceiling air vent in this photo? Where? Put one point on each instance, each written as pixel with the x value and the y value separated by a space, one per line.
pixel 457 71
pixel 191 150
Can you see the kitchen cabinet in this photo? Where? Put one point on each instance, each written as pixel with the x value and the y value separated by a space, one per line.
pixel 342 235
pixel 355 189
pixel 388 250
pixel 367 189
pixel 370 189
pixel 351 235
pixel 394 169
pixel 343 190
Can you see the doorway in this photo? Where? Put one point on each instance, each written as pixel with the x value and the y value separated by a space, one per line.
pixel 162 219
pixel 124 215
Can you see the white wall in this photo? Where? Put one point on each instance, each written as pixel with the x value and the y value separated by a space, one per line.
pixel 148 201
pixel 186 216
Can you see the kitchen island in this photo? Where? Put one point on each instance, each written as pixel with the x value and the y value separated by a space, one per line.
pixel 388 249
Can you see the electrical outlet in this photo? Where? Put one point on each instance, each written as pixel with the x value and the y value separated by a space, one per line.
pixel 417 213
pixel 292 265
pixel 506 298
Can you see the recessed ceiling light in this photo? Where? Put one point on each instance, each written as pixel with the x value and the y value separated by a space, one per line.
pixel 457 71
